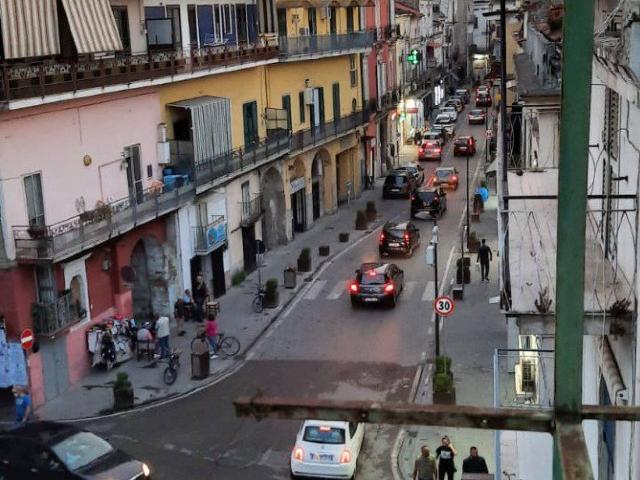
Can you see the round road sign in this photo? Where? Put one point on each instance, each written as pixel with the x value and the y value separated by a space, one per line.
pixel 444 306
pixel 26 338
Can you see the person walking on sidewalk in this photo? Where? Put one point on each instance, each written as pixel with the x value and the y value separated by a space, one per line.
pixel 24 408
pixel 211 330
pixel 424 467
pixel 446 454
pixel 484 257
pixel 179 313
pixel 474 463
pixel 162 332
pixel 200 294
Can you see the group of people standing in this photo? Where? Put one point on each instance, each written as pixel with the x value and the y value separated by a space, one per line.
pixel 428 467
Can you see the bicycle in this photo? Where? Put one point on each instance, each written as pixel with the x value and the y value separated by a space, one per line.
pixel 258 299
pixel 170 373
pixel 226 345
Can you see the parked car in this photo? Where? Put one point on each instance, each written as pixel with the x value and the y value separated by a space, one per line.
pixel 401 238
pixel 326 449
pixel 57 451
pixel 464 93
pixel 476 117
pixel 450 110
pixel 483 100
pixel 376 283
pixel 430 150
pixel 429 200
pixel 434 136
pixel 448 124
pixel 455 103
pixel 416 170
pixel 444 177
pixel 484 89
pixel 439 128
pixel 464 146
pixel 398 184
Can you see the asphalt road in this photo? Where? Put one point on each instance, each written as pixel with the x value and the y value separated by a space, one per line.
pixel 319 348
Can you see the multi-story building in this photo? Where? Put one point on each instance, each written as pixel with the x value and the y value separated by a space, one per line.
pixel 144 143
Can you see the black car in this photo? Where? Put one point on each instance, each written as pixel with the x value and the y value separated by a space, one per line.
pixel 401 238
pixel 398 184
pixel 55 451
pixel 432 201
pixel 416 170
pixel 377 283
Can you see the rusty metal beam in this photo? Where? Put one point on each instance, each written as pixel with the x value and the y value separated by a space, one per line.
pixel 571 458
pixel 540 420
pixel 611 412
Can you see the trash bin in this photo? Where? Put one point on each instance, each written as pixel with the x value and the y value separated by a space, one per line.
pixel 200 359
pixel 290 278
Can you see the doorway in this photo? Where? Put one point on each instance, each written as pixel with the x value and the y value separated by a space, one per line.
pixel 297 207
pixel 217 267
pixel 249 248
pixel 250 121
pixel 134 173
pixel 55 370
pixel 315 195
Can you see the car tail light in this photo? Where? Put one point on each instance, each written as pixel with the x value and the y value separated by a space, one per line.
pixel 454 178
pixel 345 457
pixel 353 287
pixel 381 237
pixel 413 197
pixel 389 287
pixel 406 237
pixel 421 150
pixel 298 454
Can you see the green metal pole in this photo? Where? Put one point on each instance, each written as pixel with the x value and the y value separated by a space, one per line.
pixel 572 206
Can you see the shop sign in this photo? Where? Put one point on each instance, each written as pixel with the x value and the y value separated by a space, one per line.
pixel 216 234
pixel 297 184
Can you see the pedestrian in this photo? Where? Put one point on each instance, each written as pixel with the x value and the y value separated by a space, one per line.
pixel 474 463
pixel 446 454
pixel 417 136
pixel 484 257
pixel 179 314
pixel 424 467
pixel 211 331
pixel 24 408
pixel 200 294
pixel 187 298
pixel 162 333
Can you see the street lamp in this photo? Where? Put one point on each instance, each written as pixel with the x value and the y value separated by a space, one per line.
pixel 432 260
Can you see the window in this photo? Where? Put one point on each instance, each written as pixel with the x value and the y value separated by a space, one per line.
pixel 250 119
pixel 35 203
pixel 241 18
pixel 353 70
pixel 193 24
pixel 333 20
pixel 173 12
pixel 122 22
pixel 302 106
pixel 322 434
pixel 228 19
pixel 286 105
pixel 313 23
pixel 282 21
pixel 354 105
pixel 349 19
pixel 246 200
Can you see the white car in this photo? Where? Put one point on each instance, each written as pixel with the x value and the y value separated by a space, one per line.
pixel 326 449
pixel 451 111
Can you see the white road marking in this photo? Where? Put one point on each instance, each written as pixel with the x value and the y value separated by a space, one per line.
pixel 315 289
pixel 429 292
pixel 409 287
pixel 338 290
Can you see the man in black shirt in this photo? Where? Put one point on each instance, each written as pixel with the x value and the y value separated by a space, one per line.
pixel 484 257
pixel 446 453
pixel 200 294
pixel 474 463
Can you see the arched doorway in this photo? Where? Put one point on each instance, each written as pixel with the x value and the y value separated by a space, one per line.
pixel 150 292
pixel 77 296
pixel 298 199
pixel 321 159
pixel 274 230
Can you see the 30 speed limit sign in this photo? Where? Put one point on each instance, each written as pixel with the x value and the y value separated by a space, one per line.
pixel 444 306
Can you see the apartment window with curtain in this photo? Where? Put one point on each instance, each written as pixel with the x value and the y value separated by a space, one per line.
pixel 353 70
pixel 302 106
pixel 282 21
pixel 313 21
pixel 35 201
pixel 173 12
pixel 286 105
pixel 193 25
pixel 350 19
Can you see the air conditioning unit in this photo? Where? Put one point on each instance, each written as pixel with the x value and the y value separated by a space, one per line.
pixel 308 96
pixel 303 31
pixel 163 153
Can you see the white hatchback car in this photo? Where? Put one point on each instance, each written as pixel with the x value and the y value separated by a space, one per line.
pixel 327 449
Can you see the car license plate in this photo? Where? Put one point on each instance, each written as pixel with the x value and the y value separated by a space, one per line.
pixel 395 189
pixel 394 244
pixel 370 299
pixel 463 148
pixel 322 456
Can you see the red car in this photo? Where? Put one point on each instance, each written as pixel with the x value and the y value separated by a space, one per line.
pixel 483 100
pixel 430 150
pixel 444 177
pixel 464 146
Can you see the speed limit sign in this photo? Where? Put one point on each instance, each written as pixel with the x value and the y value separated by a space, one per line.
pixel 444 306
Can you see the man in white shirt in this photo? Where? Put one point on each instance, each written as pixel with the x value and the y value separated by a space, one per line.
pixel 162 332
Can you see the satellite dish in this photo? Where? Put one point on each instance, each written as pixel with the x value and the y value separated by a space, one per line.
pixel 128 273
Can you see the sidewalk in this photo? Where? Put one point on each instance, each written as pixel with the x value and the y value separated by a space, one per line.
pixel 469 337
pixel 93 395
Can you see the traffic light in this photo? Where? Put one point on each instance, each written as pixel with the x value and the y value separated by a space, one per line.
pixel 414 57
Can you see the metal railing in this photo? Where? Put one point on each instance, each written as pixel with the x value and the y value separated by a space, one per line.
pixel 251 211
pixel 388 32
pixel 50 318
pixel 90 228
pixel 47 77
pixel 209 237
pixel 313 44
pixel 314 135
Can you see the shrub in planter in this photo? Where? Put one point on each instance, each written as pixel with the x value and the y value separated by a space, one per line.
pixel 343 237
pixel 361 220
pixel 473 244
pixel 323 250
pixel 444 391
pixel 443 365
pixel 271 296
pixel 122 392
pixel 304 260
pixel 371 211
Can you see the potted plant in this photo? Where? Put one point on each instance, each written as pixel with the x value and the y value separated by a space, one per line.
pixel 343 237
pixel 444 391
pixel 37 232
pixel 304 260
pixel 122 392
pixel 271 297
pixel 323 250
pixel 361 220
pixel 371 211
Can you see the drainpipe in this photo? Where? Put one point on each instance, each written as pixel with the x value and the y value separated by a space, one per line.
pixel 572 209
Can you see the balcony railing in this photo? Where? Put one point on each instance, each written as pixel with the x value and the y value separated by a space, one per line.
pixel 241 159
pixel 312 136
pixel 251 211
pixel 72 236
pixel 318 44
pixel 209 237
pixel 50 318
pixel 389 32
pixel 47 77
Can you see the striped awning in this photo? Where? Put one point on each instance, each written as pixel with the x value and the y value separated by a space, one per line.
pixel 93 25
pixel 29 28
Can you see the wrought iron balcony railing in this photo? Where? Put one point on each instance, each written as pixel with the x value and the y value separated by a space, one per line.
pixel 50 318
pixel 251 211
pixel 317 134
pixel 209 237
pixel 319 44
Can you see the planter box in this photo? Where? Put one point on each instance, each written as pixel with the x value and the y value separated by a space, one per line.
pixel 290 278
pixel 271 301
pixel 343 237
pixel 323 250
pixel 304 265
pixel 123 399
pixel 444 398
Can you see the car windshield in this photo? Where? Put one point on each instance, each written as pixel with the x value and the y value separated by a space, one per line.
pixel 81 449
pixel 396 180
pixel 432 136
pixel 443 173
pixel 320 434
pixel 461 141
pixel 476 112
pixel 426 196
pixel 443 119
pixel 395 233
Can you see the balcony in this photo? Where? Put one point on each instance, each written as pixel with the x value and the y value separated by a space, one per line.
pixel 209 237
pixel 67 238
pixel 387 33
pixel 389 100
pixel 251 211
pixel 304 139
pixel 49 77
pixel 316 45
pixel 50 318
pixel 237 161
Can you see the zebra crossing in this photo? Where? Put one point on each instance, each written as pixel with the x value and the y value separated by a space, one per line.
pixel 422 291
